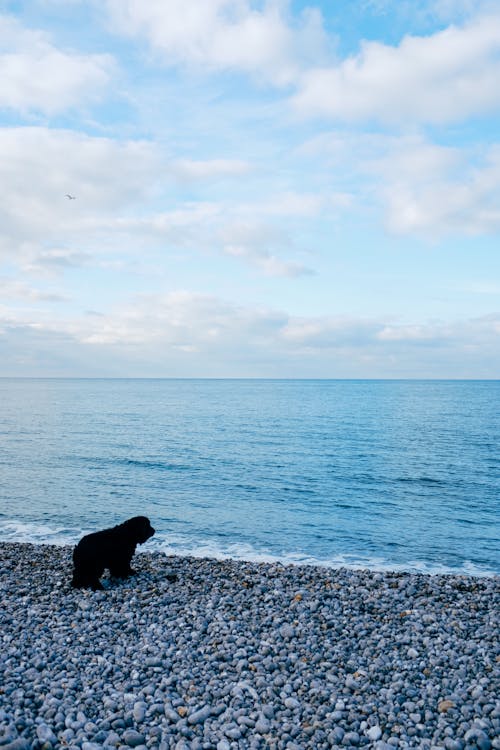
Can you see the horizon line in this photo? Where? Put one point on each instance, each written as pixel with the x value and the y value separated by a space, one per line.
pixel 256 378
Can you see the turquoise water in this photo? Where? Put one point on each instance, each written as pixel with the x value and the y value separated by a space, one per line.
pixel 403 475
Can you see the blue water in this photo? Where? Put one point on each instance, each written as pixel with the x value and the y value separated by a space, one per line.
pixel 401 475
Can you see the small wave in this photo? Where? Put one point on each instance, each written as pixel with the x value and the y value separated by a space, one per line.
pixel 184 546
pixel 99 462
pixel 421 480
pixel 36 533
pixel 144 464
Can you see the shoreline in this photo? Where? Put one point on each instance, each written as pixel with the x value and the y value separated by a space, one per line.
pixel 241 552
pixel 238 654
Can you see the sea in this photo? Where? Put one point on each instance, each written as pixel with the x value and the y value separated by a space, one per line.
pixel 399 475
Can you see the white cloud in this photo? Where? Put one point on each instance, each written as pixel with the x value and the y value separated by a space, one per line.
pixel 434 190
pixel 37 76
pixel 39 166
pixel 269 264
pixel 179 320
pixel 445 77
pixel 258 244
pixel 55 261
pixel 185 333
pixel 471 334
pixel 198 321
pixel 415 334
pixel 415 186
pixel 306 205
pixel 428 11
pixel 451 9
pixel 329 332
pixel 117 187
pixel 11 288
pixel 209 169
pixel 224 34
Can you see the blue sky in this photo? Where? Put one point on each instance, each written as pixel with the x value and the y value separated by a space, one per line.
pixel 262 189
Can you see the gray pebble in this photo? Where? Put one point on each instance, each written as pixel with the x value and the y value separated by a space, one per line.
pixel 45 734
pixel 374 733
pixel 351 739
pixel 133 738
pixel 244 655
pixel 287 631
pixel 262 725
pixel 17 744
pixel 336 736
pixel 198 717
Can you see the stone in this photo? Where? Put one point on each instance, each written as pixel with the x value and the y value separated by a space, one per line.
pixel 200 716
pixel 374 733
pixel 133 738
pixel 45 734
pixel 262 725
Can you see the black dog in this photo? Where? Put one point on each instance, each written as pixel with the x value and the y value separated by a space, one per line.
pixel 111 548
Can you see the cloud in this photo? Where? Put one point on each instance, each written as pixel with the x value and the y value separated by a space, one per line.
pixel 428 11
pixel 38 166
pixel 258 243
pixel 329 332
pixel 185 333
pixel 435 191
pixel 415 186
pixel 191 321
pixel 180 320
pixel 36 76
pixel 11 288
pixel 472 334
pixel 305 205
pixel 224 34
pixel 56 261
pixel 415 334
pixel 209 169
pixel 270 264
pixel 444 77
pixel 119 188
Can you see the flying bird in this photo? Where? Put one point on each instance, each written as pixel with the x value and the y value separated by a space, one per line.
pixel 71 197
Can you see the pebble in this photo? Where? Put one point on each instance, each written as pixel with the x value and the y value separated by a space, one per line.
pixel 45 734
pixel 132 738
pixel 139 712
pixel 374 733
pixel 17 744
pixel 230 655
pixel 262 725
pixel 198 717
pixel 351 739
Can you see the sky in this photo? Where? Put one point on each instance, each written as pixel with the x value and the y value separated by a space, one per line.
pixel 271 189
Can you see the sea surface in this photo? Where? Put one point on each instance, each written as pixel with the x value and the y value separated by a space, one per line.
pixel 398 475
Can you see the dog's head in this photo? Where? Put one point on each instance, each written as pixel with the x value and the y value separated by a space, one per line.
pixel 139 529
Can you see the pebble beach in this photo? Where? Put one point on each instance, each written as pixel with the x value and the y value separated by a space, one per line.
pixel 199 654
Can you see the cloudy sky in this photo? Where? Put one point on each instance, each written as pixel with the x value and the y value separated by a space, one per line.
pixel 262 188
